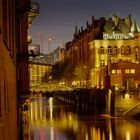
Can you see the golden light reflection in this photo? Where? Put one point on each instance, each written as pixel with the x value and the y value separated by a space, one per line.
pixel 53 122
pixel 52 133
pixel 86 136
pixel 35 110
pixel 128 136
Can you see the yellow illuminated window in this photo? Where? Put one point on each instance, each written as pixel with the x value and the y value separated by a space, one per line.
pixel 127 71
pixel 113 71
pixel 119 71
pixel 132 71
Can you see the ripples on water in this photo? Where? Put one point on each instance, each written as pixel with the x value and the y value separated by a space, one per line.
pixel 51 120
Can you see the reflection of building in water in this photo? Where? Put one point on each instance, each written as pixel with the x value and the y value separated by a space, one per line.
pixel 49 122
pixel 37 110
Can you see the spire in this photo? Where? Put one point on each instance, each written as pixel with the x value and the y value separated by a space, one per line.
pixel 76 31
pixel 135 27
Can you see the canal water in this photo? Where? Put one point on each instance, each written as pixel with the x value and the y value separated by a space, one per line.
pixel 49 119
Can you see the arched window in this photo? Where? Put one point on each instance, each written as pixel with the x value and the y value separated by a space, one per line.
pixel 109 50
pixel 102 50
pixel 115 50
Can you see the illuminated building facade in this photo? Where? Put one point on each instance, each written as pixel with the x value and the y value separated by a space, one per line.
pixel 14 18
pixel 39 70
pixel 78 51
pixel 119 43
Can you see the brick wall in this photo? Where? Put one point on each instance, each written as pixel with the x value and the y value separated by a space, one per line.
pixel 8 100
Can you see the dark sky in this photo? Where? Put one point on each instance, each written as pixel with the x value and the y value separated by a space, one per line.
pixel 57 18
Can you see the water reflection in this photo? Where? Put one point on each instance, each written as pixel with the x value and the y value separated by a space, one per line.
pixel 50 120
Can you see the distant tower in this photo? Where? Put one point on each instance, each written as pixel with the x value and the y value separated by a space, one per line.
pixel 41 36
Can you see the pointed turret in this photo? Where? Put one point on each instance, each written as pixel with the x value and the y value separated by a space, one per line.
pixel 135 27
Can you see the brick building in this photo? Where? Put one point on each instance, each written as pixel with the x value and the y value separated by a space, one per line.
pixel 125 73
pixel 78 51
pixel 120 42
pixel 15 16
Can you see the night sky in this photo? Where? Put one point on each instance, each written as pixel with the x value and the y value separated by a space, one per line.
pixel 57 18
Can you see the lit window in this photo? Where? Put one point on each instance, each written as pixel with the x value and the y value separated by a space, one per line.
pixel 113 71
pixel 105 37
pixel 102 62
pixel 119 71
pixel 127 71
pixel 132 71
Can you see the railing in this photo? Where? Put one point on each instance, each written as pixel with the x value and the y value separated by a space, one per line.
pixel 83 100
pixel 126 113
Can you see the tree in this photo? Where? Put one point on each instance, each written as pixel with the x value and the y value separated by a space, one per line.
pixel 57 72
pixel 81 72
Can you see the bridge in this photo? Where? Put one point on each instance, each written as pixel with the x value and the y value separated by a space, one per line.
pixel 47 87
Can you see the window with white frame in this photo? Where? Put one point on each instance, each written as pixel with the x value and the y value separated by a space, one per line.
pixel 102 50
pixel 102 62
pixel 109 50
